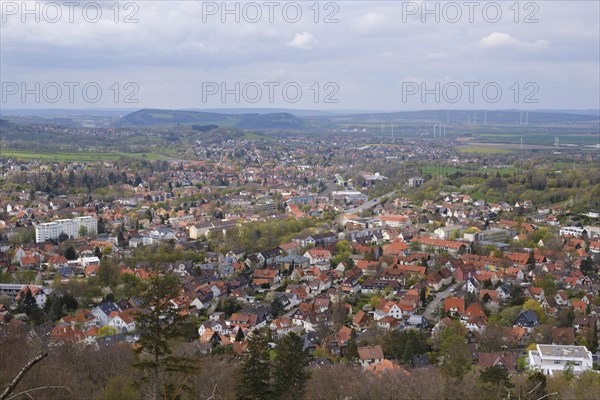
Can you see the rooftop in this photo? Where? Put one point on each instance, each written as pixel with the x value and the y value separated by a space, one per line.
pixel 547 350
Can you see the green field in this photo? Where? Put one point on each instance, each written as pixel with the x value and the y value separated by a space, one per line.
pixel 78 156
pixel 450 170
pixel 484 150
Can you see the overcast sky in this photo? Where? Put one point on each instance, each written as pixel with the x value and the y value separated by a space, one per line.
pixel 377 55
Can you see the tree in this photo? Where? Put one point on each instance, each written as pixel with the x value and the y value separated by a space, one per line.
pixel 290 368
pixel 121 388
pixel 158 322
pixel 534 306
pixel 70 253
pixel 531 261
pixel 239 336
pixel 456 358
pixel 107 331
pixel 28 305
pixel 83 231
pixel 587 266
pixel 276 307
pixel 56 307
pixel 535 387
pixel 254 372
pixel 62 237
pixel 352 348
pixel 495 375
pixel 108 273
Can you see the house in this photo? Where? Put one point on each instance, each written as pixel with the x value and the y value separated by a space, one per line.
pixel 369 355
pixel 514 273
pixel 417 321
pixel 474 318
pixel 361 319
pixel 284 325
pixel 486 295
pixel 435 281
pixel 268 256
pixel 503 292
pixel 387 367
pixel 124 322
pixel 473 286
pixel 563 336
pixel 536 293
pixel 454 305
pixel 506 360
pixel 562 299
pixel 387 308
pixel 527 319
pixel 39 293
pixel 581 321
pixel 266 277
pixel 317 255
pixel 103 311
pixel 291 262
pixel 555 359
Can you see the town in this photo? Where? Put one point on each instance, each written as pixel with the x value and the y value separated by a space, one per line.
pixel 371 257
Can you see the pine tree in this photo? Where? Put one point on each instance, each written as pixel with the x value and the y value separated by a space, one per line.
pixel 26 302
pixel 290 368
pixel 239 336
pixel 158 323
pixel 254 372
pixel 531 261
pixel 28 305
pixel 70 253
pixel 352 348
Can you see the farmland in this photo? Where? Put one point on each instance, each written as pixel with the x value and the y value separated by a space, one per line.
pixel 83 156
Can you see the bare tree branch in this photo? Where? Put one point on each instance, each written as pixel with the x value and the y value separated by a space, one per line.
pixel 547 395
pixel 27 392
pixel 212 396
pixel 21 374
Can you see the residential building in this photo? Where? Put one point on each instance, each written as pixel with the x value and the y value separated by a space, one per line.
pixel 70 227
pixel 553 359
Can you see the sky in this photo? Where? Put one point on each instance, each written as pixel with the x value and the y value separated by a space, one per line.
pixel 367 55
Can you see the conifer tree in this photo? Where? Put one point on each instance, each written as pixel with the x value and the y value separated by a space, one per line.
pixel 290 368
pixel 352 348
pixel 254 372
pixel 158 323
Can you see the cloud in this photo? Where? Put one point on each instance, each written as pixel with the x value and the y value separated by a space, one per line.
pixel 372 20
pixel 437 55
pixel 497 40
pixel 303 40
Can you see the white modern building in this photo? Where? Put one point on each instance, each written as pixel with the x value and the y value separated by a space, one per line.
pixel 571 231
pixel 349 196
pixel 553 359
pixel 71 227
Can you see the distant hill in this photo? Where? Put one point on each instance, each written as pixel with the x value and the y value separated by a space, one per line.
pixel 157 117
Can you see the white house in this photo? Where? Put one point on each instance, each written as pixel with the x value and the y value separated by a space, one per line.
pixel 16 290
pixel 370 355
pixel 388 308
pixel 551 359
pixel 571 231
pixel 122 321
pixel 102 312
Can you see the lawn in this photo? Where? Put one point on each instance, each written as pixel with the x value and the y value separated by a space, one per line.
pixel 77 156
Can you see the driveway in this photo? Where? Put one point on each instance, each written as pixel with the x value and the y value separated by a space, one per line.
pixel 430 313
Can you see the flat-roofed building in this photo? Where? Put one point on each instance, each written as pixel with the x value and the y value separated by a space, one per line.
pixel 552 359
pixel 70 227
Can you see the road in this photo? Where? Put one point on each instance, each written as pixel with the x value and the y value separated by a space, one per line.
pixel 369 204
pixel 430 313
